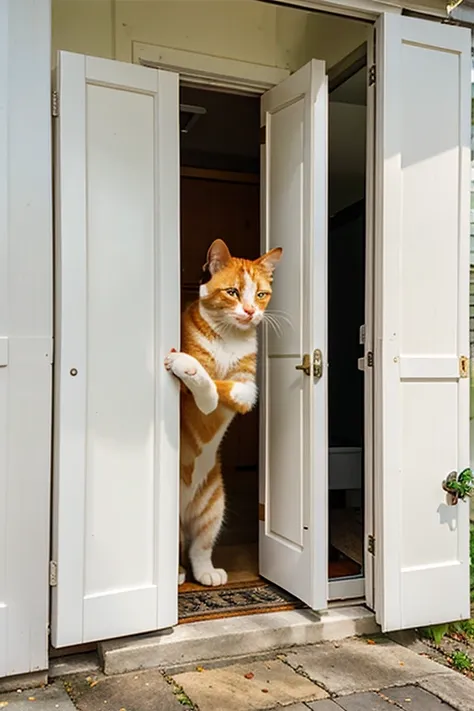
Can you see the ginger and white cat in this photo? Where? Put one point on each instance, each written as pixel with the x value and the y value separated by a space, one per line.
pixel 217 368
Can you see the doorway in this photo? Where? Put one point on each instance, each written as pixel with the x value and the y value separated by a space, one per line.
pixel 220 198
pixel 219 187
pixel 347 315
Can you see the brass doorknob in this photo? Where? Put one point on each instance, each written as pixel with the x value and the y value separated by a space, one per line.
pixel 305 364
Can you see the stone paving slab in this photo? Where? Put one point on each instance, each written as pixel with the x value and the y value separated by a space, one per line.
pixel 452 687
pixel 412 698
pixel 324 705
pixel 367 701
pixel 141 691
pixel 357 665
pixel 50 698
pixel 272 683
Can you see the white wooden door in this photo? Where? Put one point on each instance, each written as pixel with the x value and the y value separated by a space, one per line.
pixel 115 533
pixel 422 321
pixel 294 451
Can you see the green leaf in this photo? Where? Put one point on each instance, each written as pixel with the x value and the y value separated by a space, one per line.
pixel 438 632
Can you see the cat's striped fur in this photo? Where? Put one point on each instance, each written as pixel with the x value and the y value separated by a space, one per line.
pixel 217 369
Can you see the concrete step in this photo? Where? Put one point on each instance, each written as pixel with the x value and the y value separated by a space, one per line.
pixel 232 637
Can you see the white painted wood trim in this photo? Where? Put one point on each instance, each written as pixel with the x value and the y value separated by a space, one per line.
pixel 426 368
pixel 369 333
pixel 363 9
pixel 26 333
pixel 346 589
pixel 3 351
pixel 317 276
pixel 198 68
pixel 69 413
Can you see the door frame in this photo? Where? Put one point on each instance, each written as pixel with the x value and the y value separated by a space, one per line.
pixel 21 23
pixel 251 79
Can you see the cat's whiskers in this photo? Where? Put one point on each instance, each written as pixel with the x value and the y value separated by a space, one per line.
pixel 282 315
pixel 271 321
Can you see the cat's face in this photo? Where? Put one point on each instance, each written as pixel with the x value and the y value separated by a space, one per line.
pixel 239 290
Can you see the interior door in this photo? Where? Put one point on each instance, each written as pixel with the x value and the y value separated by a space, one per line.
pixel 422 320
pixel 294 444
pixel 115 530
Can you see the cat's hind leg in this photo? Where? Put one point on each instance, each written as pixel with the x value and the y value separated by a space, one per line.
pixel 207 517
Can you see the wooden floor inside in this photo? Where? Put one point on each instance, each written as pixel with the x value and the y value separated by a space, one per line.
pixel 345 554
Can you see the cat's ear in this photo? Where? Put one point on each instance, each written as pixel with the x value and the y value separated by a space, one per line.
pixel 217 256
pixel 269 260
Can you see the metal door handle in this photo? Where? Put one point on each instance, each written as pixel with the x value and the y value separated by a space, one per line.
pixel 305 364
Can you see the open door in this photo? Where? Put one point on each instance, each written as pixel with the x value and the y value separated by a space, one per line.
pixel 422 320
pixel 294 448
pixel 116 442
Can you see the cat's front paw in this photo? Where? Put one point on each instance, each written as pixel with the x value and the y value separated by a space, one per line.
pixel 212 577
pixel 181 575
pixel 182 365
pixel 196 378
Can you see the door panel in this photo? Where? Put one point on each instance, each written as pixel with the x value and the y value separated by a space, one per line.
pixel 285 501
pixel 422 415
pixel 293 471
pixel 116 431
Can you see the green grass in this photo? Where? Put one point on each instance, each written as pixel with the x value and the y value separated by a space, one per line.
pixel 466 627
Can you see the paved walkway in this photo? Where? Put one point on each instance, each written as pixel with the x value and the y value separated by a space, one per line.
pixel 353 675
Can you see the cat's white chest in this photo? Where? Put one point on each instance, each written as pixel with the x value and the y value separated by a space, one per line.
pixel 227 353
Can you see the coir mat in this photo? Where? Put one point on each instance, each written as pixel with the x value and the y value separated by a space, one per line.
pixel 233 600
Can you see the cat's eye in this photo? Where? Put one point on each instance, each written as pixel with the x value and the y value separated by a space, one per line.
pixel 232 292
pixel 261 294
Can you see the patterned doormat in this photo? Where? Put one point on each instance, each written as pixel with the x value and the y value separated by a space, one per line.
pixel 234 600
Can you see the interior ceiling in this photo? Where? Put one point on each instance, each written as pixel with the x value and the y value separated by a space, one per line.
pixel 229 129
pixel 229 126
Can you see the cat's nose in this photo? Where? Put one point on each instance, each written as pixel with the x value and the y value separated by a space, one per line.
pixel 249 310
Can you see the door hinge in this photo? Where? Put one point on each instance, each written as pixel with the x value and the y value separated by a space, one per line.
pixel 261 512
pixel 463 367
pixel 371 544
pixel 53 573
pixel 55 104
pixel 372 75
pixel 370 359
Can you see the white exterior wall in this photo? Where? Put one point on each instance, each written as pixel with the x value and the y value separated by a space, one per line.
pixel 25 333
